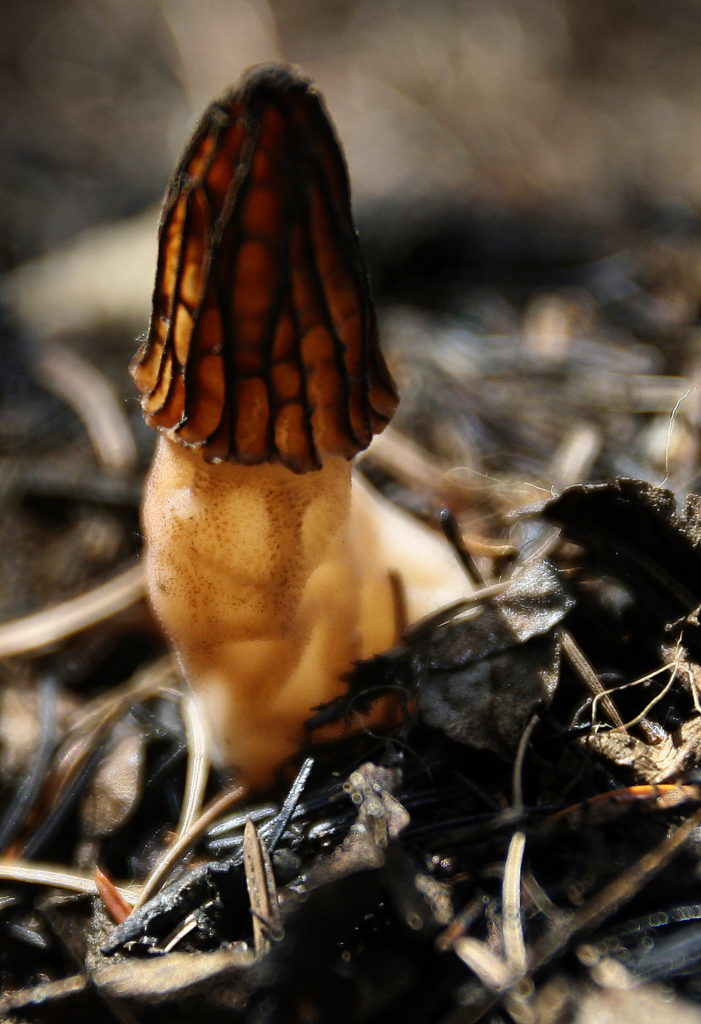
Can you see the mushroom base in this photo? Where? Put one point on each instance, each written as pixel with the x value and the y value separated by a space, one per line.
pixel 270 585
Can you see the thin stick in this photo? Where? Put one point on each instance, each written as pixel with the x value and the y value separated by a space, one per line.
pixel 454 538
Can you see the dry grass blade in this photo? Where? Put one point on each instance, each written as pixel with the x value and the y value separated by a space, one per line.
pixel 262 891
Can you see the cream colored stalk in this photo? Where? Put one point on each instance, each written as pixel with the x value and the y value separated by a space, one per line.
pixel 270 585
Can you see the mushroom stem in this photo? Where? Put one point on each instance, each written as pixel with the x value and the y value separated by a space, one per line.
pixel 270 572
pixel 271 584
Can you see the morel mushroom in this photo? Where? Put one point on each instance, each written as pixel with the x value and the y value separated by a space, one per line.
pixel 268 565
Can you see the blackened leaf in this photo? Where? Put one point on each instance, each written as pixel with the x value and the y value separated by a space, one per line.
pixel 533 604
pixel 487 704
pixel 638 533
pixel 478 679
pixel 486 676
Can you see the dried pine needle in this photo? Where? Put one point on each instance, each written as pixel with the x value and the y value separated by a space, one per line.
pixel 156 677
pixel 494 973
pixel 262 892
pixel 198 760
pixel 512 927
pixel 580 663
pixel 38 873
pixel 94 400
pixel 58 622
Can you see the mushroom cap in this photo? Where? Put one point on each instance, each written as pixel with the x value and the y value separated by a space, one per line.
pixel 263 342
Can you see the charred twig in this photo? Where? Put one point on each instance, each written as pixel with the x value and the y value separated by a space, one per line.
pixel 452 532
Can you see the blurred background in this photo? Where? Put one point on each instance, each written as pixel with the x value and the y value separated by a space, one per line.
pixel 587 111
pixel 527 185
